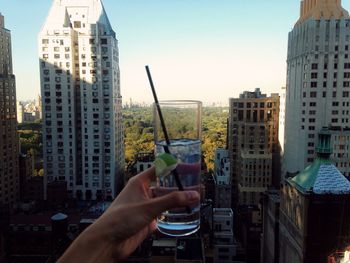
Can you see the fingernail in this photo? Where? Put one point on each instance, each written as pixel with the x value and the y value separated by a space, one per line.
pixel 192 195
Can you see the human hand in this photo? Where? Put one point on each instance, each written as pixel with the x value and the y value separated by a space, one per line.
pixel 127 222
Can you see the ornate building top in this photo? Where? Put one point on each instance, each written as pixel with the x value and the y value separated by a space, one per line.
pixel 318 9
pixel 63 13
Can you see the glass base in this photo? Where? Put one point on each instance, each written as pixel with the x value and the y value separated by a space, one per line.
pixel 178 230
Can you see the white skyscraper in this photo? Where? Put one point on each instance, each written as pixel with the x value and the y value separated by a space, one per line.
pixel 318 84
pixel 81 100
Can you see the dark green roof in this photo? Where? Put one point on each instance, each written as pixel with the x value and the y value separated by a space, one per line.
pixel 307 178
pixel 321 177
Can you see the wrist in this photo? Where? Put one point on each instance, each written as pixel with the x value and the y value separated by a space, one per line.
pixel 89 246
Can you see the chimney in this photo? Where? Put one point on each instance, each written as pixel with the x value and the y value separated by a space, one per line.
pixel 2 21
pixel 324 148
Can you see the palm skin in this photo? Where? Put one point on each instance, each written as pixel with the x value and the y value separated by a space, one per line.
pixel 126 223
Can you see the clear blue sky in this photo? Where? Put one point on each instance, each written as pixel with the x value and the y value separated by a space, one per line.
pixel 208 50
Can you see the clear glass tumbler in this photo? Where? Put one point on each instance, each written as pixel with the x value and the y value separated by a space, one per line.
pixel 182 120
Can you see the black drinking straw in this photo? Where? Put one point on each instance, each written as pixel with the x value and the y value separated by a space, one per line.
pixel 167 141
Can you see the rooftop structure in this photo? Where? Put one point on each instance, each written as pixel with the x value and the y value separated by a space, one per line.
pixel 322 177
pixel 317 9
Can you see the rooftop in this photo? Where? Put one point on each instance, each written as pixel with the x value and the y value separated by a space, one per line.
pixel 63 15
pixel 318 9
pixel 222 212
pixel 322 177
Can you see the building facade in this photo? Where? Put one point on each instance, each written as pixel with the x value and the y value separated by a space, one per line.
pixel 314 210
pixel 9 149
pixel 81 100
pixel 224 242
pixel 20 112
pixel 318 83
pixel 282 118
pixel 253 145
pixel 29 111
pixel 222 179
pixel 269 252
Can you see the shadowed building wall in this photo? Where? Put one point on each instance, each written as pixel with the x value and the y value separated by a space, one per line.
pixel 9 149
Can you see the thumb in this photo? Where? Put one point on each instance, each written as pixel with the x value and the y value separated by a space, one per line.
pixel 175 199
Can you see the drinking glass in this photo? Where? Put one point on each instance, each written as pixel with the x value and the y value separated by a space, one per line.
pixel 182 120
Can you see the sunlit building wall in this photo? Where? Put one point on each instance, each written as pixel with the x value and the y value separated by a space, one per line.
pixel 318 84
pixel 253 145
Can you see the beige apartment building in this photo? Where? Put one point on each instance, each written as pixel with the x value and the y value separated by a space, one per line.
pixel 253 145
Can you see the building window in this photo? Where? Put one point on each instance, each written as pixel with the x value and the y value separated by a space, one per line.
pixel 77 24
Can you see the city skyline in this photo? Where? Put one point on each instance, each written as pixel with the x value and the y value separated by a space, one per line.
pixel 223 42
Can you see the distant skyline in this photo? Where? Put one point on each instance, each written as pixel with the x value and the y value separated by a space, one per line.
pixel 196 49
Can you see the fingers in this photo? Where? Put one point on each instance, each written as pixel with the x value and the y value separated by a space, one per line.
pixel 175 199
pixel 146 176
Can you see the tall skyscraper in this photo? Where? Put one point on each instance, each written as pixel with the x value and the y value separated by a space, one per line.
pixel 81 100
pixel 9 152
pixel 253 145
pixel 318 84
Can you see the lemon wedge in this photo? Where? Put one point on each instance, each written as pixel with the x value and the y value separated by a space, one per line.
pixel 164 164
